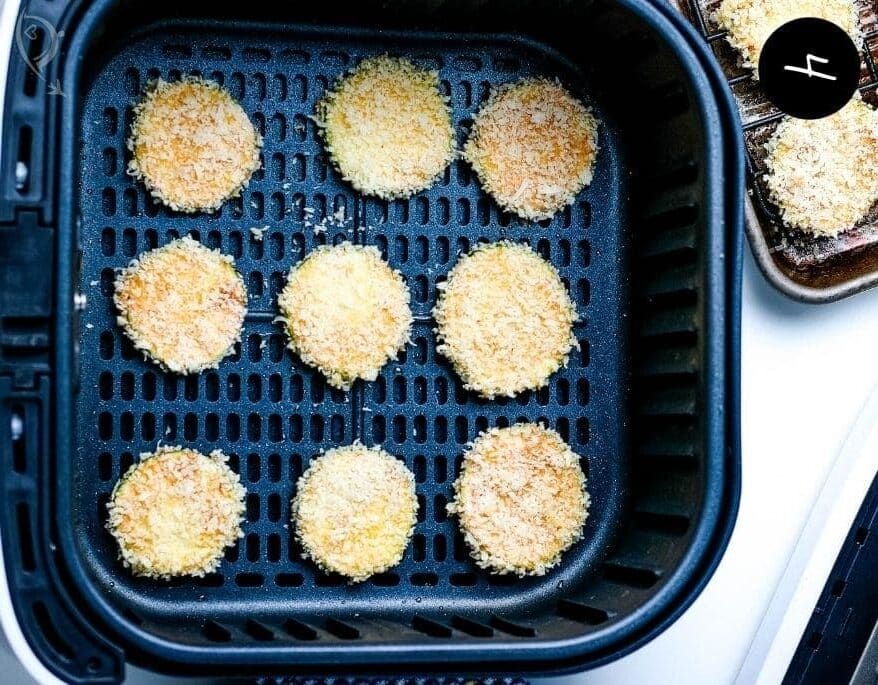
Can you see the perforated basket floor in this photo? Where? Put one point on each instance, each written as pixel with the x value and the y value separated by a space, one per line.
pixel 270 412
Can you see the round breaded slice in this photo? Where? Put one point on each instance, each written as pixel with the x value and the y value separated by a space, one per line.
pixel 346 312
pixel 520 498
pixel 749 23
pixel 822 173
pixel 533 146
pixel 183 305
pixel 387 127
pixel 192 145
pixel 354 511
pixel 175 512
pixel 504 319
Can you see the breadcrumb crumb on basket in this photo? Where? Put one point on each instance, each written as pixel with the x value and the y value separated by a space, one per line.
pixel 521 499
pixel 504 319
pixel 750 22
pixel 354 511
pixel 192 145
pixel 346 312
pixel 183 305
pixel 175 511
pixel 822 173
pixel 388 127
pixel 533 146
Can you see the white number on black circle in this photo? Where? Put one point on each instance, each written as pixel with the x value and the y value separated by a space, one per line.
pixel 808 70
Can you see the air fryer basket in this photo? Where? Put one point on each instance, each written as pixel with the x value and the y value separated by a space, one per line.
pixel 269 411
pixel 650 252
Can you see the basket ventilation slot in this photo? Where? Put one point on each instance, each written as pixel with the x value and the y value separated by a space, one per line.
pixel 582 613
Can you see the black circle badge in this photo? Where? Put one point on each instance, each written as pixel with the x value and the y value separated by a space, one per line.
pixel 809 68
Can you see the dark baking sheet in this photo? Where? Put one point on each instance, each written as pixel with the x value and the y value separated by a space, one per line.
pixel 810 268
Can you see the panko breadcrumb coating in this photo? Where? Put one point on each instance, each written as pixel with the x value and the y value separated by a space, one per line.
pixel 520 498
pixel 387 127
pixel 750 22
pixel 192 144
pixel 346 312
pixel 175 512
pixel 504 319
pixel 822 173
pixel 183 305
pixel 533 146
pixel 354 511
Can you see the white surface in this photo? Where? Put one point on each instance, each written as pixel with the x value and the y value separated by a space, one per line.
pixel 815 553
pixel 8 11
pixel 17 662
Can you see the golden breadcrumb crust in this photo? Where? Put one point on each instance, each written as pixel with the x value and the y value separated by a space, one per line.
pixel 822 173
pixel 354 511
pixel 346 312
pixel 750 22
pixel 520 498
pixel 182 304
pixel 192 145
pixel 533 146
pixel 387 127
pixel 504 319
pixel 175 512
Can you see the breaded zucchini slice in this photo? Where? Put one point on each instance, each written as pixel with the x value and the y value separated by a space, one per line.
pixel 192 145
pixel 749 23
pixel 504 319
pixel 533 146
pixel 354 511
pixel 183 305
pixel 520 498
pixel 822 173
pixel 387 127
pixel 175 512
pixel 346 312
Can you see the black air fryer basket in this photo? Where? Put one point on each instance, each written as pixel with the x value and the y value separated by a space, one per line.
pixel 650 252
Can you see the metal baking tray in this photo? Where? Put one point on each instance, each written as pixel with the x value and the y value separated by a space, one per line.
pixel 807 268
